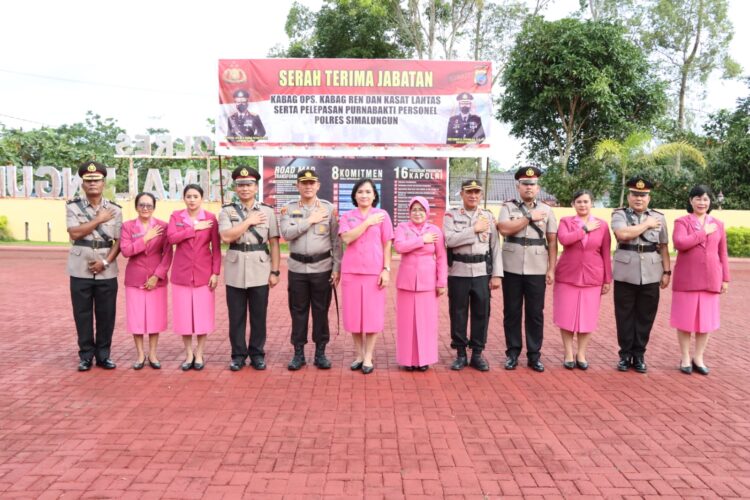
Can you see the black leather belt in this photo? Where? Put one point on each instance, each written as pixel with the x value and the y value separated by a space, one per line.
pixel 469 259
pixel 648 247
pixel 526 242
pixel 249 247
pixel 95 244
pixel 309 259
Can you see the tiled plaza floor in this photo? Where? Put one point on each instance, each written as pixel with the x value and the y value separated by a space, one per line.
pixel 340 434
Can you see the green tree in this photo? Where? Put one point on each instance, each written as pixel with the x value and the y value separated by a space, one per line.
pixel 631 154
pixel 691 40
pixel 728 149
pixel 570 83
pixel 495 28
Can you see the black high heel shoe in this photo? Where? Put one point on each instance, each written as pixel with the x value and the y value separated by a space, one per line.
pixel 156 365
pixel 186 365
pixel 138 365
pixel 198 366
pixel 569 365
pixel 357 365
pixel 703 370
pixel 367 369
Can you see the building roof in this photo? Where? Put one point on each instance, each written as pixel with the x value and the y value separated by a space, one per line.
pixel 502 187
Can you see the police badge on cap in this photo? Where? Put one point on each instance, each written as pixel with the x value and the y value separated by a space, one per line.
pixel 471 185
pixel 639 185
pixel 241 93
pixel 528 175
pixel 92 171
pixel 307 176
pixel 245 175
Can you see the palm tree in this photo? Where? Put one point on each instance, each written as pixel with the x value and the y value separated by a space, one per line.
pixel 632 152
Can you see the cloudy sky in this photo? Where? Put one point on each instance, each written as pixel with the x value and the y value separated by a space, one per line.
pixel 153 64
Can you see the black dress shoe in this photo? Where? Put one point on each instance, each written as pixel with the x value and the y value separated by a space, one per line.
pixel 186 365
pixel 84 365
pixel 703 370
pixel 569 364
pixel 320 360
pixel 298 360
pixel 236 365
pixel 138 365
pixel 258 362
pixel 107 364
pixel 639 365
pixel 423 368
pixel 408 368
pixel 687 370
pixel 582 365
pixel 623 364
pixel 367 369
pixel 357 365
pixel 511 362
pixel 154 364
pixel 537 366
pixel 478 362
pixel 461 359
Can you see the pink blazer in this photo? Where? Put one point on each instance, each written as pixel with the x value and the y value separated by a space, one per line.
pixel 198 253
pixel 145 259
pixel 423 266
pixel 586 259
pixel 702 262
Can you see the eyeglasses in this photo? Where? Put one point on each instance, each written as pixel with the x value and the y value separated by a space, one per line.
pixel 145 206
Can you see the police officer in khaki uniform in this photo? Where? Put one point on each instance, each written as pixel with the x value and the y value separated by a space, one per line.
pixel 251 268
pixel 529 253
pixel 310 225
pixel 474 268
pixel 465 127
pixel 94 226
pixel 641 267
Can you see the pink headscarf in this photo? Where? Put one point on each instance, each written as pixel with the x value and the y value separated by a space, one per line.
pixel 419 229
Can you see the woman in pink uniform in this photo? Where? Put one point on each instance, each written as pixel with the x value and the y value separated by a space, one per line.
pixel 195 273
pixel 701 274
pixel 144 242
pixel 365 270
pixel 422 278
pixel 582 275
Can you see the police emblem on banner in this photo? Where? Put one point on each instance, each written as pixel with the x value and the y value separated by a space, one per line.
pixel 480 75
pixel 234 75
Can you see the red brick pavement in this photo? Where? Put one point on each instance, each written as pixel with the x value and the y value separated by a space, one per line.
pixel 336 433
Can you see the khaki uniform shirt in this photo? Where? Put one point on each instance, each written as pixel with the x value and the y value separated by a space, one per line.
pixel 530 259
pixel 248 269
pixel 460 238
pixel 307 239
pixel 633 267
pixel 79 257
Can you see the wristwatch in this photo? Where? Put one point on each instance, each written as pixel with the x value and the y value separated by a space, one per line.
pixel 387 268
pixel 667 273
pixel 105 263
pixel 276 273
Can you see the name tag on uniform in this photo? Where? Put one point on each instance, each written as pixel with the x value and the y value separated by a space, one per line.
pixel 138 235
pixel 296 216
pixel 179 224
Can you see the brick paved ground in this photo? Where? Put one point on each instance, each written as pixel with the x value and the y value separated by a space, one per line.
pixel 337 433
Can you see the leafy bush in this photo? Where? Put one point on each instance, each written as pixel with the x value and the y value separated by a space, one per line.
pixel 4 229
pixel 738 241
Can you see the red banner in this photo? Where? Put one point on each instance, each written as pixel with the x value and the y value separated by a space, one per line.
pixel 283 106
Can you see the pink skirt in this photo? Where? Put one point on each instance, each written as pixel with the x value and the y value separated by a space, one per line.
pixel 695 311
pixel 576 308
pixel 417 328
pixel 146 310
pixel 192 310
pixel 364 303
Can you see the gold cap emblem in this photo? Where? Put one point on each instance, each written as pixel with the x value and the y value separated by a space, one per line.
pixel 473 183
pixel 91 167
pixel 530 172
pixel 308 174
pixel 244 172
pixel 640 184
